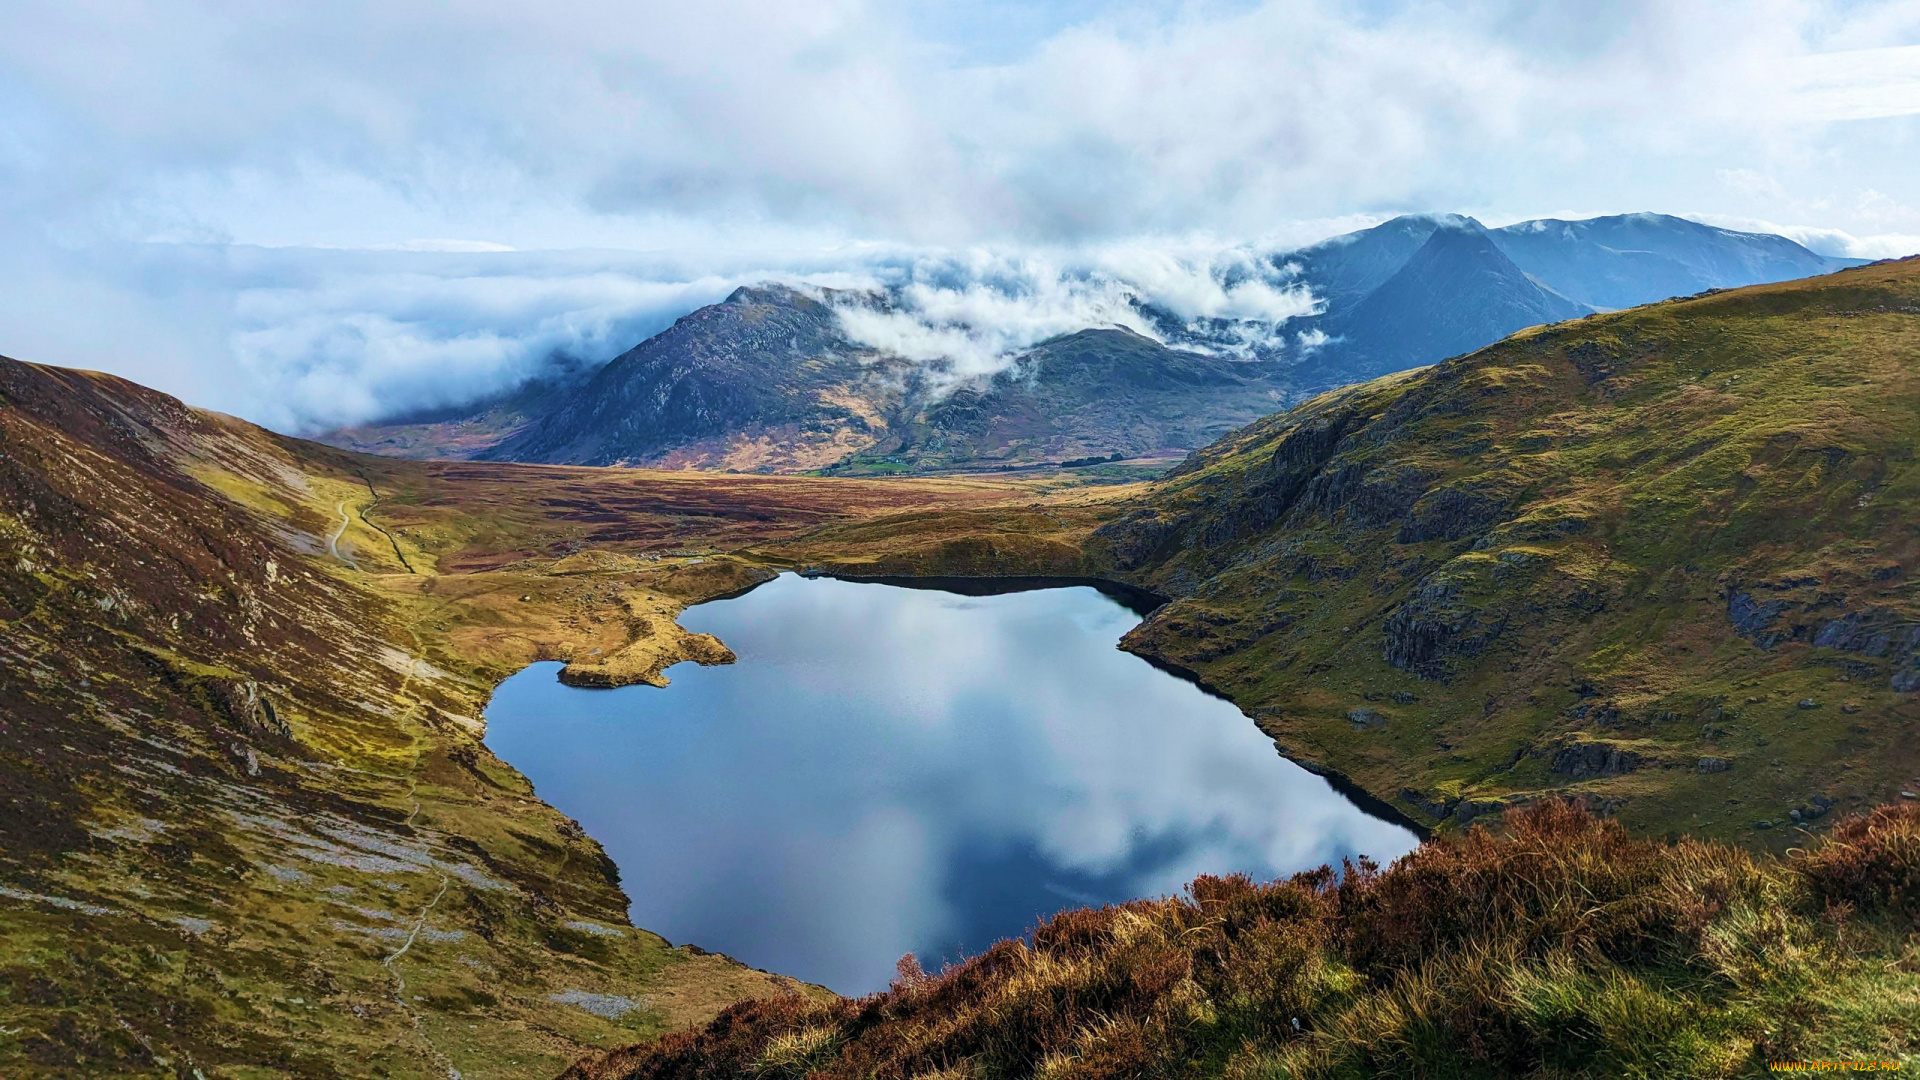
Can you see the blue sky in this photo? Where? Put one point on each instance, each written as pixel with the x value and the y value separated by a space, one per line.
pixel 302 212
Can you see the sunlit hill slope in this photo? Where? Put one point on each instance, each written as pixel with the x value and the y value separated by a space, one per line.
pixel 1664 559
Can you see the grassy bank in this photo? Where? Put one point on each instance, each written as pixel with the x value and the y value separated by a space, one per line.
pixel 1559 948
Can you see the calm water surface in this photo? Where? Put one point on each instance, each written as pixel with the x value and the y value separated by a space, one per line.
pixel 891 770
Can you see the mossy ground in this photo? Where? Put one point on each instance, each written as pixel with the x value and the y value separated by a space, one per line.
pixel 243 680
pixel 1549 546
pixel 250 827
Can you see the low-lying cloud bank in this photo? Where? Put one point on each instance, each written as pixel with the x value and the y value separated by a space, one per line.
pixel 304 339
pixel 308 339
pixel 971 312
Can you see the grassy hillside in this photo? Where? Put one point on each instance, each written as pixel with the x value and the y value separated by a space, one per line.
pixel 1562 949
pixel 247 825
pixel 1662 559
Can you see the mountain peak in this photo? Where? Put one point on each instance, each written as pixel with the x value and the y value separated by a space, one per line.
pixel 1457 292
pixel 1459 239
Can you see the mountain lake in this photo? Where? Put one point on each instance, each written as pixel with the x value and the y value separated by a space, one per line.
pixel 890 770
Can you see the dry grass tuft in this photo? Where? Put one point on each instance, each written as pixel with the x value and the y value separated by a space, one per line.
pixel 1560 948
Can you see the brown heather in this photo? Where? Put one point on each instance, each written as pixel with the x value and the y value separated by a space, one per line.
pixel 1559 947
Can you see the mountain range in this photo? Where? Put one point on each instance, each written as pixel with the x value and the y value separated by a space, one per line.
pixel 1645 574
pixel 769 380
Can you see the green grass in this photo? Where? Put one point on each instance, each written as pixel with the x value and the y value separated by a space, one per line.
pixel 1637 469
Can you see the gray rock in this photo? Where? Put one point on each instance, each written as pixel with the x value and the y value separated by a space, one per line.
pixel 1450 513
pixel 1468 809
pixel 1582 761
pixel 1366 718
pixel 1437 624
pixel 1713 765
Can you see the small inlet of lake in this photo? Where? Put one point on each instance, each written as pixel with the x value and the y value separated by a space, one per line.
pixel 891 770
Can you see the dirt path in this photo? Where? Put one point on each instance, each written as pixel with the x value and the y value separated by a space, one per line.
pixel 333 542
pixel 440 1060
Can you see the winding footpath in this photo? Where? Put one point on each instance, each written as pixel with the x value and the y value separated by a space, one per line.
pixel 333 542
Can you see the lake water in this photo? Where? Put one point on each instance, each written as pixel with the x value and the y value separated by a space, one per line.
pixel 890 770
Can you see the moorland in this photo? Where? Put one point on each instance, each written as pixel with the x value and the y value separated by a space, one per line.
pixel 1622 609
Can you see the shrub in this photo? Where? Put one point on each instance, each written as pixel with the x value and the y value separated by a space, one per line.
pixel 1561 947
pixel 1870 862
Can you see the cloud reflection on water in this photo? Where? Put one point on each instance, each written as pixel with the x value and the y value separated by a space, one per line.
pixel 890 770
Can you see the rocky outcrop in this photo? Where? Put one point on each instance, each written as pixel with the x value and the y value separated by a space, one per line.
pixel 243 704
pixel 1435 627
pixel 1803 610
pixel 1587 760
pixel 1136 539
pixel 1451 513
pixel 1364 718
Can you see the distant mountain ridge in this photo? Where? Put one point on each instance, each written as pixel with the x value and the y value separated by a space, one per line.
pixel 769 380
pixel 1420 288
pixel 763 379
pixel 1457 292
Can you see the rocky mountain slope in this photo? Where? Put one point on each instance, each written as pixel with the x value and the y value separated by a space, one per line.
pixel 1631 259
pixel 1421 288
pixel 769 381
pixel 1456 292
pixel 765 378
pixel 247 824
pixel 1663 559
pixel 1095 393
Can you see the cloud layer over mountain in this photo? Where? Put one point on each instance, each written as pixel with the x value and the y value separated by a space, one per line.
pixel 147 149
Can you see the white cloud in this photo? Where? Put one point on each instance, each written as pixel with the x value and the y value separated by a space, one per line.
pixel 1858 84
pixel 1825 241
pixel 851 136
pixel 973 310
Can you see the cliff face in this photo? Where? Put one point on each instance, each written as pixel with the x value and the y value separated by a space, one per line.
pixel 1663 559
